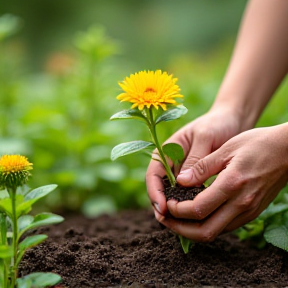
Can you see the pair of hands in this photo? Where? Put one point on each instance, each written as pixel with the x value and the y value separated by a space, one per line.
pixel 251 166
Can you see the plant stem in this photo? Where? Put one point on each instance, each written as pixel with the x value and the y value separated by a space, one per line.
pixel 12 192
pixel 152 128
pixel 3 226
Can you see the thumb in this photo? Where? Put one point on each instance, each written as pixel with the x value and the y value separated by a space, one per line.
pixel 202 170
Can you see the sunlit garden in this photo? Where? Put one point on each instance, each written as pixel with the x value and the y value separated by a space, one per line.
pixel 60 67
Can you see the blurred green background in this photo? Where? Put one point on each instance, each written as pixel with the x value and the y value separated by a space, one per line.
pixel 60 62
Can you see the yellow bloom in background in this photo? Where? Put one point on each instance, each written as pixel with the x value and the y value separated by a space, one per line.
pixel 14 170
pixel 146 89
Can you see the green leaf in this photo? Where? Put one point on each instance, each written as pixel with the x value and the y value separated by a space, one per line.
pixel 6 251
pixel 129 114
pixel 6 206
pixel 41 220
pixel 40 192
pixel 174 152
pixel 277 235
pixel 186 243
pixel 29 242
pixel 38 280
pixel 24 221
pixel 4 194
pixel 129 148
pixel 272 210
pixel 172 114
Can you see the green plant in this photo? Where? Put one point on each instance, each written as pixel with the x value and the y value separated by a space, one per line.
pixel 271 226
pixel 16 201
pixel 152 94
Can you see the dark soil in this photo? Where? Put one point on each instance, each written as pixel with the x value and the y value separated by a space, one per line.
pixel 131 249
pixel 180 193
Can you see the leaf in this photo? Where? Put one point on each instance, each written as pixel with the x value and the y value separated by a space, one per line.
pixel 6 204
pixel 40 192
pixel 38 280
pixel 186 243
pixel 172 114
pixel 4 194
pixel 129 148
pixel 277 235
pixel 29 242
pixel 174 152
pixel 129 114
pixel 6 251
pixel 24 221
pixel 272 210
pixel 42 220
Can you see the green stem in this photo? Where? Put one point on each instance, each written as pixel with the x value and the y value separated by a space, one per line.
pixel 3 264
pixel 152 128
pixel 12 192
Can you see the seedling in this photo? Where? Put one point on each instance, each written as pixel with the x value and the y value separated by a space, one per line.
pixel 152 95
pixel 16 201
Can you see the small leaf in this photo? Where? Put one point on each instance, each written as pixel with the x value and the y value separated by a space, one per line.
pixel 129 114
pixel 42 220
pixel 186 243
pixel 24 221
pixel 29 242
pixel 38 280
pixel 40 192
pixel 6 206
pixel 129 148
pixel 6 251
pixel 277 235
pixel 174 152
pixel 272 210
pixel 172 114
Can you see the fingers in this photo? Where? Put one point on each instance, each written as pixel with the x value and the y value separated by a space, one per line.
pixel 205 231
pixel 155 188
pixel 204 203
pixel 203 169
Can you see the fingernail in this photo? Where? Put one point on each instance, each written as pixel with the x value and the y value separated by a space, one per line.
pixel 157 207
pixel 184 175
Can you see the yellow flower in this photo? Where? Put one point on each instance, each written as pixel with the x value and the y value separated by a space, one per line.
pixel 144 89
pixel 14 170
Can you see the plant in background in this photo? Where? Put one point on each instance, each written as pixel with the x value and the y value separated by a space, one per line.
pixel 16 202
pixel 152 95
pixel 271 226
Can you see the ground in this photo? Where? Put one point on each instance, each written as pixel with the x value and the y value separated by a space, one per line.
pixel 131 249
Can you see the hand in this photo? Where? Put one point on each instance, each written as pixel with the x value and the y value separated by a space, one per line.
pixel 198 139
pixel 252 169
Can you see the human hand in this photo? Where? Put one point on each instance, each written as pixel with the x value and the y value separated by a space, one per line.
pixel 198 139
pixel 252 169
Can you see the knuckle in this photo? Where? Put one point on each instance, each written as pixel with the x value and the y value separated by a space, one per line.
pixel 207 235
pixel 246 202
pixel 198 213
pixel 190 161
pixel 235 181
pixel 201 167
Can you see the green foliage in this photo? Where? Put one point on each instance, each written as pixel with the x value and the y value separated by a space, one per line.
pixel 15 203
pixel 38 279
pixel 186 243
pixel 271 226
pixel 58 116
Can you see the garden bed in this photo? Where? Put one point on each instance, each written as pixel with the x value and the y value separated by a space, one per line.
pixel 131 249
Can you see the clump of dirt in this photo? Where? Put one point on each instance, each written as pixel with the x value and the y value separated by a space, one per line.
pixel 131 249
pixel 179 192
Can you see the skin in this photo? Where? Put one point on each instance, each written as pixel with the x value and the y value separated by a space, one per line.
pixel 249 161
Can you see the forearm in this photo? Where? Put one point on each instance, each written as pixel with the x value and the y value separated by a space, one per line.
pixel 259 62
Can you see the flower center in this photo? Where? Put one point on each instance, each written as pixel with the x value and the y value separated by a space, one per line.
pixel 150 95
